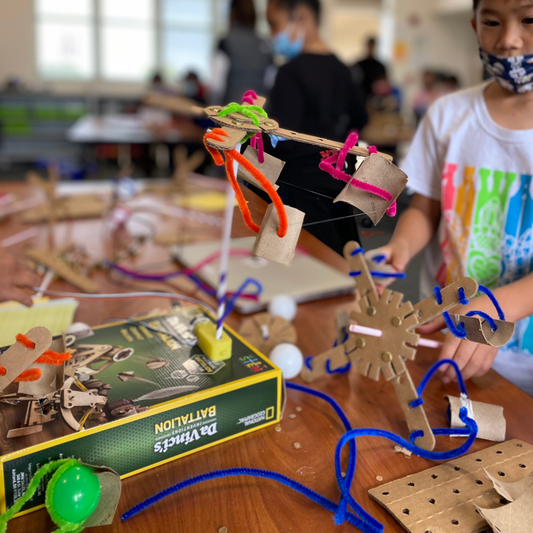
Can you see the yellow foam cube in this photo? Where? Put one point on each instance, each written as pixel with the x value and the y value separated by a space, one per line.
pixel 215 349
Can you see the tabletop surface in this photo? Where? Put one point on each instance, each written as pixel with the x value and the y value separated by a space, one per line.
pixel 245 505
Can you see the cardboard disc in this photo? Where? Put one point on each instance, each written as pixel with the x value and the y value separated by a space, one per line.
pixel 265 331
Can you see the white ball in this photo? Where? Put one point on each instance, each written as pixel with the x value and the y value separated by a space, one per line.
pixel 283 306
pixel 288 358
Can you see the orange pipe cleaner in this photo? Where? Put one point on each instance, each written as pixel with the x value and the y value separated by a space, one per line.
pixel 33 374
pixel 27 343
pixel 232 155
pixel 53 358
pixel 3 371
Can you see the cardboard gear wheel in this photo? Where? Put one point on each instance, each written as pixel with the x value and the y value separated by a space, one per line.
pixel 265 331
pixel 395 319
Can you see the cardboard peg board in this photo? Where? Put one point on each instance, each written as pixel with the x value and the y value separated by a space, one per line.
pixel 479 330
pixel 441 499
pixel 489 418
pixel 265 331
pixel 269 245
pixel 379 172
pixel 271 168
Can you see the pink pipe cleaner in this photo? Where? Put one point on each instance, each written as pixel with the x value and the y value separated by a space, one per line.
pixel 338 173
pixel 248 97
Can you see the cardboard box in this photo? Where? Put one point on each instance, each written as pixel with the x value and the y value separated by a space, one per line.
pixel 143 424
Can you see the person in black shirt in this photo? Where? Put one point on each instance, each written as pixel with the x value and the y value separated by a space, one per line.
pixel 313 94
pixel 369 70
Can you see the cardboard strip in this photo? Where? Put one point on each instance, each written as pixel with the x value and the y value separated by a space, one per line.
pixel 479 330
pixel 18 358
pixel 337 358
pixel 428 309
pixel 269 245
pixel 271 168
pixel 441 498
pixel 416 418
pixel 381 267
pixel 489 418
pixel 364 282
pixel 382 173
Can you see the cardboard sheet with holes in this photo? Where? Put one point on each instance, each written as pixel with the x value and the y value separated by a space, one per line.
pixel 444 498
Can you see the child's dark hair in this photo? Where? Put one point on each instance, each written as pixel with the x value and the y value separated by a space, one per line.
pixel 313 5
pixel 476 5
pixel 243 12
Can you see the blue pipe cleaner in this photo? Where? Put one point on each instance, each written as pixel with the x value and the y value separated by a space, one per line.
pixel 459 330
pixel 375 274
pixel 240 291
pixel 358 251
pixel 486 317
pixel 495 303
pixel 361 520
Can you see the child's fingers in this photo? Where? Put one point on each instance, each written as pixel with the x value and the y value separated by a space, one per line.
pixel 448 351
pixel 27 278
pixel 16 294
pixel 462 357
pixel 489 353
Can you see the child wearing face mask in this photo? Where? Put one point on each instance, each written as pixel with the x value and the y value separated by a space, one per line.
pixel 313 94
pixel 470 167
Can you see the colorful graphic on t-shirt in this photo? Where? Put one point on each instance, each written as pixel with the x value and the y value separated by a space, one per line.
pixel 488 236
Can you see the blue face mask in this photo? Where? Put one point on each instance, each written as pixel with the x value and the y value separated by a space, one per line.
pixel 512 73
pixel 283 46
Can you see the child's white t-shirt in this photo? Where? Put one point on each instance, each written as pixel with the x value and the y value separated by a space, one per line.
pixel 482 175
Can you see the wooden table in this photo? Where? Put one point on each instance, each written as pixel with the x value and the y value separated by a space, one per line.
pixel 246 505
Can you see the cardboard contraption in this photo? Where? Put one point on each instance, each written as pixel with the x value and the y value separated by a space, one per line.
pixel 265 331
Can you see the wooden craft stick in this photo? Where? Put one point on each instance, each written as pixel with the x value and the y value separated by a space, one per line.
pixel 18 358
pixel 416 417
pixel 428 309
pixel 479 330
pixel 177 104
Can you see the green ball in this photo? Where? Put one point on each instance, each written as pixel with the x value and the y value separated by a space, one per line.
pixel 76 494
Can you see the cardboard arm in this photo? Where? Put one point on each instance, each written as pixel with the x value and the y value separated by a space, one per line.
pixel 357 263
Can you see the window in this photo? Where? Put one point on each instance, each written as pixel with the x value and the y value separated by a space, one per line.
pixel 127 40
pixel 64 39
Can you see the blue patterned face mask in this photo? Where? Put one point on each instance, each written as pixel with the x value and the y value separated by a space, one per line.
pixel 512 73
pixel 283 45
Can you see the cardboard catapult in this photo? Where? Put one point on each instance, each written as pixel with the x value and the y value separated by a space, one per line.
pixel 280 229
pixel 393 322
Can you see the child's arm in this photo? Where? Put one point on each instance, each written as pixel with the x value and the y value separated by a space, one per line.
pixel 415 229
pixel 473 359
pixel 15 275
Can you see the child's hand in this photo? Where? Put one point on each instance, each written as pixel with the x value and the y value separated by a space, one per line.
pixel 474 359
pixel 396 256
pixel 15 274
